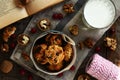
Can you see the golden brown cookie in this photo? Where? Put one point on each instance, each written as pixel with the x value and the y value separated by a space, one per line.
pixel 54 54
pixel 68 52
pixel 56 67
pixel 6 66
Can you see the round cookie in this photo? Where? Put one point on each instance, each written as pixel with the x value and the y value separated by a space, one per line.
pixel 6 66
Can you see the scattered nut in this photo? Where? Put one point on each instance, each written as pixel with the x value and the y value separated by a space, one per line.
pixel 83 77
pixel 111 43
pixel 6 66
pixel 88 42
pixel 68 8
pixel 74 30
pixel 23 39
pixel 8 31
pixel 4 47
pixel 44 24
pixel 81 45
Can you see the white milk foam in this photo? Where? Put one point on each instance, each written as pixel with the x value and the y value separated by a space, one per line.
pixel 99 13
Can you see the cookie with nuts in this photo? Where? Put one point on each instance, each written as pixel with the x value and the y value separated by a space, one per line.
pixel 68 8
pixel 111 43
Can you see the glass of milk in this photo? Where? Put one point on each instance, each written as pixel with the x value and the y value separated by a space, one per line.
pixel 98 14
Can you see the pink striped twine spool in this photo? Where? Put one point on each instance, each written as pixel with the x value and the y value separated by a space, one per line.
pixel 102 69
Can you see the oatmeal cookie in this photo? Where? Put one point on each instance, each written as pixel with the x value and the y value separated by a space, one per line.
pixel 54 54
pixel 88 42
pixel 84 77
pixel 56 67
pixel 68 52
pixel 39 53
pixel 54 39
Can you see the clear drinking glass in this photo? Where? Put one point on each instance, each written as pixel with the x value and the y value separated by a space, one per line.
pixel 98 14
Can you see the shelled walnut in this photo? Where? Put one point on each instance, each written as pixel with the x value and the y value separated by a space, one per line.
pixel 88 42
pixel 68 8
pixel 44 24
pixel 74 30
pixel 111 43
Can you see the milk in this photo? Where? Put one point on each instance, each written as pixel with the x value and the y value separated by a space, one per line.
pixel 99 13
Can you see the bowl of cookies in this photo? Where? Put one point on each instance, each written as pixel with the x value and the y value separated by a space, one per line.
pixel 53 52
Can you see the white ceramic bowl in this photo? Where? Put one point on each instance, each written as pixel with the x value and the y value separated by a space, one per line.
pixel 41 67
